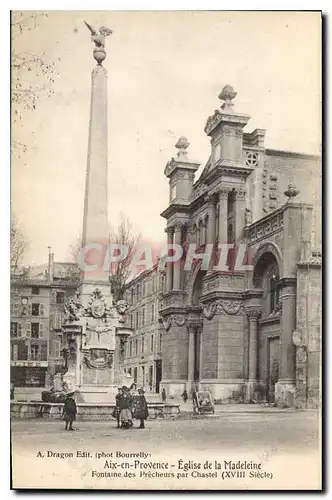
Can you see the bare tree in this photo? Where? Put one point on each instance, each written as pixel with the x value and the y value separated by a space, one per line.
pixel 120 272
pixel 17 245
pixel 32 75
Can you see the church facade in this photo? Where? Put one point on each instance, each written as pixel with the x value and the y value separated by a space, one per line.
pixel 247 327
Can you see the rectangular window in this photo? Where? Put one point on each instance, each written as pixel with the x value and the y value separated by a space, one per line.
pixel 60 297
pixel 19 333
pixel 130 348
pixel 34 330
pixel 136 347
pixel 34 353
pixel 35 309
pixel 152 313
pixel 131 321
pixel 14 329
pixel 28 329
pixel 137 318
pixel 15 309
pixel 160 341
pixel 142 345
pixel 151 343
pixel 143 316
pixel 15 352
pixel 35 290
pixel 57 321
pixel 41 330
pixel 56 348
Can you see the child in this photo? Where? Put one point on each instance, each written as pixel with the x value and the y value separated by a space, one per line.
pixel 69 411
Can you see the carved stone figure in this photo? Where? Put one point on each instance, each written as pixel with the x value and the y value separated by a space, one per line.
pixel 122 307
pixel 72 309
pixel 99 38
pixel 247 217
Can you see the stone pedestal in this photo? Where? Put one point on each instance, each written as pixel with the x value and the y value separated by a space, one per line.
pixel 191 357
pixel 285 387
pixel 251 385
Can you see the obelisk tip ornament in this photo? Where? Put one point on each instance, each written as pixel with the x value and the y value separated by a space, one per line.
pixel 99 52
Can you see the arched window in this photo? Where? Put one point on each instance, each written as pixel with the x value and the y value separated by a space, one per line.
pixel 206 224
pixel 266 277
pixel 231 217
pixel 201 233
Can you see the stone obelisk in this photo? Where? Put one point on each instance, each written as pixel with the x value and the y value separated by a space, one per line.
pixel 95 221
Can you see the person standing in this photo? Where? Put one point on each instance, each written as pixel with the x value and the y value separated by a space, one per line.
pixel 69 411
pixel 117 405
pixel 184 395
pixel 141 410
pixel 125 409
pixel 163 395
pixel 195 401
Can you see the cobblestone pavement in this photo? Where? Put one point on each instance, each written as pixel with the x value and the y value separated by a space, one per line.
pixel 253 436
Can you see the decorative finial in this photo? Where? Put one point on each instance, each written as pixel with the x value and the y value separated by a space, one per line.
pixel 291 192
pixel 227 94
pixel 182 146
pixel 99 52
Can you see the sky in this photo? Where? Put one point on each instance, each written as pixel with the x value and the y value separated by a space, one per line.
pixel 165 72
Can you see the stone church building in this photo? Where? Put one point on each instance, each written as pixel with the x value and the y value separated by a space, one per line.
pixel 244 333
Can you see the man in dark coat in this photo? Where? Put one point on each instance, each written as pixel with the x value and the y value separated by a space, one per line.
pixel 117 407
pixel 184 395
pixel 69 411
pixel 141 409
pixel 163 395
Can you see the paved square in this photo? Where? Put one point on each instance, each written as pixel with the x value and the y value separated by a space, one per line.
pixel 284 443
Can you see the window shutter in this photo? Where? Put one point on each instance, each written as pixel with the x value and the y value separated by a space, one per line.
pixel 28 329
pixel 19 330
pixel 41 330
pixel 41 309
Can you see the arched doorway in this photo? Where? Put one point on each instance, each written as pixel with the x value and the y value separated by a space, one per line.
pixel 198 288
pixel 266 276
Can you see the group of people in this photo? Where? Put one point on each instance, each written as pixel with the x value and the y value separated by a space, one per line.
pixel 130 404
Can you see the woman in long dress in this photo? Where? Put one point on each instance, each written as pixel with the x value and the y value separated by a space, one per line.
pixel 125 409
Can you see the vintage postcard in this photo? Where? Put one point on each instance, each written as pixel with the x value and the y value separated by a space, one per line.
pixel 166 250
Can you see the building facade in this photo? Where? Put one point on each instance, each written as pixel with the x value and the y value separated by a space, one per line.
pixel 142 354
pixel 37 312
pixel 244 333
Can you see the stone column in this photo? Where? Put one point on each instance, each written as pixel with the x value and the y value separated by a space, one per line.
pixel 223 195
pixel 177 265
pixel 211 237
pixel 211 229
pixel 191 357
pixel 169 268
pixel 253 316
pixel 286 383
pixel 239 213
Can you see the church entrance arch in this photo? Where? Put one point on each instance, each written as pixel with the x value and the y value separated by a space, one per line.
pixel 266 276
